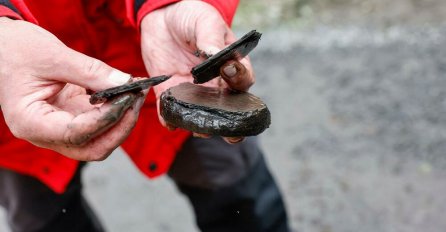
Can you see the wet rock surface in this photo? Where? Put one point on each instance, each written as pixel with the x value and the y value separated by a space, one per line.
pixel 210 68
pixel 214 111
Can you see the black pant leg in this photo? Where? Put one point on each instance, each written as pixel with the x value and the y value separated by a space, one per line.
pixel 229 187
pixel 31 206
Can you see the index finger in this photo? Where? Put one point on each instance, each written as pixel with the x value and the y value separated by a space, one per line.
pixel 61 127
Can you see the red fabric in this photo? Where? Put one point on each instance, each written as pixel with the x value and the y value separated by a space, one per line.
pixel 226 8
pixel 5 11
pixel 150 6
pixel 24 11
pixel 101 29
pixel 49 167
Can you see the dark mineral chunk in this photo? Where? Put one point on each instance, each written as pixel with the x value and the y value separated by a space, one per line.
pixel 134 87
pixel 210 68
pixel 214 111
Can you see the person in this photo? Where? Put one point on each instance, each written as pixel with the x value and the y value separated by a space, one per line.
pixel 54 52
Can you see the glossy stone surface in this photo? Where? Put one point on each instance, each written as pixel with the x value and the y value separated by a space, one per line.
pixel 210 68
pixel 214 111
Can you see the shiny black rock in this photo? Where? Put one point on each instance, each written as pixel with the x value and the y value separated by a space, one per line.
pixel 210 68
pixel 132 87
pixel 214 111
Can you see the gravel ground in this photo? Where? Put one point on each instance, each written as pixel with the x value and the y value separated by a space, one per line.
pixel 358 132
pixel 357 140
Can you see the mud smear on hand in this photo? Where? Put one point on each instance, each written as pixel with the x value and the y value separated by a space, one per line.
pixel 116 111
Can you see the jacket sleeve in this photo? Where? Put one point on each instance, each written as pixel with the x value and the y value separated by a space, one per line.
pixel 137 9
pixel 9 10
pixel 16 9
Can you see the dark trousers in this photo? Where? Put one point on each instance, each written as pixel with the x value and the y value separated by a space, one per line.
pixel 229 187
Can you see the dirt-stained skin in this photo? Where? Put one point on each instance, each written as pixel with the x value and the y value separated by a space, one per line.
pixel 115 112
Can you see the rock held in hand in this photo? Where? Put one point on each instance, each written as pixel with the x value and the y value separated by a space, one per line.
pixel 214 111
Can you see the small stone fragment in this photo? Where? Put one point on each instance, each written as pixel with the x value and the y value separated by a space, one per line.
pixel 210 68
pixel 133 87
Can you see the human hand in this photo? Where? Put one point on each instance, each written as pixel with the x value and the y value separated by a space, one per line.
pixel 171 37
pixel 39 106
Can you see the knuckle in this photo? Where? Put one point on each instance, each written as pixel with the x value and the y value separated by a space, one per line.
pixel 79 140
pixel 92 66
pixel 99 155
pixel 74 137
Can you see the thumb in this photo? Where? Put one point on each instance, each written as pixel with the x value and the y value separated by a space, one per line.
pixel 90 73
pixel 238 74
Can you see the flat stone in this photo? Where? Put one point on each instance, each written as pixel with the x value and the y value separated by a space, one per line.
pixel 214 111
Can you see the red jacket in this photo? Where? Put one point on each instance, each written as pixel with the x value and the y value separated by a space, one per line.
pixel 107 30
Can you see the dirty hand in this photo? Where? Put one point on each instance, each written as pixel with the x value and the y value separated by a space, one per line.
pixel 39 106
pixel 171 37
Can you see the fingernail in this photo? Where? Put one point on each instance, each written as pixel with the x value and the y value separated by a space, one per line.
pixel 119 77
pixel 234 139
pixel 230 70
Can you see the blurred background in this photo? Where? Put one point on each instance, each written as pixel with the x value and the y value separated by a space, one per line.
pixel 357 91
